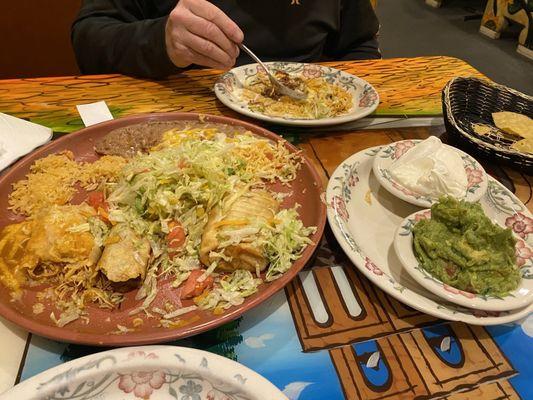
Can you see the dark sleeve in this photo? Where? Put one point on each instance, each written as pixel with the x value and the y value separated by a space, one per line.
pixel 118 36
pixel 356 37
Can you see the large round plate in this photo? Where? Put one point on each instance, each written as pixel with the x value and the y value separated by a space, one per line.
pixel 102 329
pixel 521 297
pixel 155 372
pixel 365 97
pixel 364 218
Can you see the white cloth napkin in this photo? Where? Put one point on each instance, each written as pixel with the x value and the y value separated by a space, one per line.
pixel 18 137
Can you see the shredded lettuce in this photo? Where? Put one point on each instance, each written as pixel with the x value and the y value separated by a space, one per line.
pixel 182 181
pixel 79 228
pixel 98 229
pixel 231 290
pixel 285 241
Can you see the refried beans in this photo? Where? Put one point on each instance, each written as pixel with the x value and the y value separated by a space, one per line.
pixel 128 141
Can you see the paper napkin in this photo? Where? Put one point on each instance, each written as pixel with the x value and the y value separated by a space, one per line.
pixel 18 137
pixel 94 113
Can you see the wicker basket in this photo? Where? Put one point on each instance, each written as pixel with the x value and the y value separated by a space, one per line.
pixel 468 101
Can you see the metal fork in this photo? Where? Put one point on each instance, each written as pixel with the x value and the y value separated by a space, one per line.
pixel 278 86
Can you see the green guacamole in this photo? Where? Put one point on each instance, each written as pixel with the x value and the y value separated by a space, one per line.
pixel 461 247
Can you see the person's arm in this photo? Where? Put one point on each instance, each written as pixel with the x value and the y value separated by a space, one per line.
pixel 115 36
pixel 357 35
pixel 120 36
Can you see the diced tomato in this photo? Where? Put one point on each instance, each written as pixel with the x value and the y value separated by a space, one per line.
pixel 175 238
pixel 97 200
pixel 192 287
pixel 176 235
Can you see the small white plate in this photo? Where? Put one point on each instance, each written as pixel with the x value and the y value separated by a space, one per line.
pixel 364 218
pixel 154 372
pixel 477 178
pixel 521 297
pixel 365 97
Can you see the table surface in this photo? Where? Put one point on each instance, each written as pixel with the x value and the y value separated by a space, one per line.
pixel 308 361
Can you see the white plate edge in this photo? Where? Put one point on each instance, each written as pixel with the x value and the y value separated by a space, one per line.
pixel 163 351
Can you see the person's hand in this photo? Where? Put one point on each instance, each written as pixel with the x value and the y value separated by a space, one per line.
pixel 198 32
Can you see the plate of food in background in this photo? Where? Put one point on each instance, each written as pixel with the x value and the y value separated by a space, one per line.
pixel 153 227
pixel 333 96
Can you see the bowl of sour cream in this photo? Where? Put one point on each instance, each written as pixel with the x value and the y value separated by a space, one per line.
pixel 422 171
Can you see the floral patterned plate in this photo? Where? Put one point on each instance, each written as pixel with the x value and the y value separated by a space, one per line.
pixel 364 218
pixel 365 97
pixel 477 178
pixel 519 298
pixel 150 372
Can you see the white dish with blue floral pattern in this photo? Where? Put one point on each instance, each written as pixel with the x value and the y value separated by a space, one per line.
pixel 364 218
pixel 518 298
pixel 149 372
pixel 477 178
pixel 365 98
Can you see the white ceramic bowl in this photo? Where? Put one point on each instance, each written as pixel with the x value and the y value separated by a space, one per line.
pixel 403 245
pixel 477 178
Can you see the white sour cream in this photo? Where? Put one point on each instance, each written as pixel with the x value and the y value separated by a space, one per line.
pixel 431 169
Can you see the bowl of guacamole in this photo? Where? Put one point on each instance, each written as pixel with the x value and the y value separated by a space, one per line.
pixel 459 253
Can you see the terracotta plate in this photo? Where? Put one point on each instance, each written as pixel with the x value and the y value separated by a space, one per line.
pixel 102 328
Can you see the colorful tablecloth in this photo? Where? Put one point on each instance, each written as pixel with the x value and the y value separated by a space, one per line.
pixel 385 349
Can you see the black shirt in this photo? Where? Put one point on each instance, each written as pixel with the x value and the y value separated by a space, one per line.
pixel 129 36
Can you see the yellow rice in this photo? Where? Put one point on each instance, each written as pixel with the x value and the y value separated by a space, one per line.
pixel 51 180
